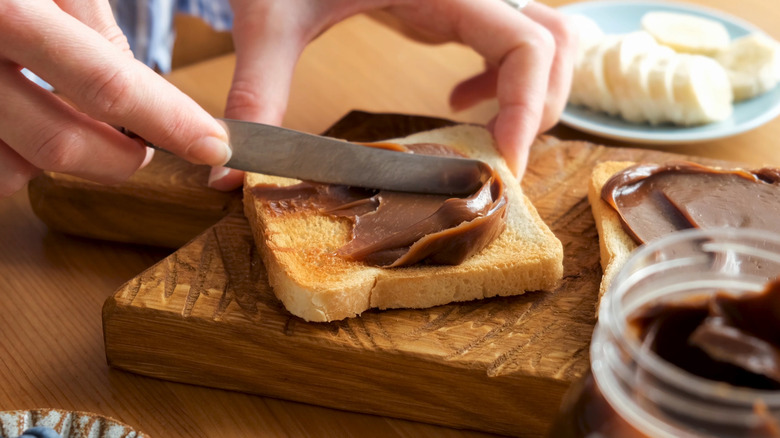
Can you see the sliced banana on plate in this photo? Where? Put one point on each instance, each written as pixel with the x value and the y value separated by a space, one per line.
pixel 680 68
pixel 686 33
pixel 661 89
pixel 753 65
pixel 701 91
pixel 589 77
pixel 588 32
pixel 589 35
pixel 618 58
pixel 646 101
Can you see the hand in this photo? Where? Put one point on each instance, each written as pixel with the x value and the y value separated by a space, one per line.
pixel 76 46
pixel 529 59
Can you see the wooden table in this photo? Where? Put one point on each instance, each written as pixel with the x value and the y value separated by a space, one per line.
pixel 53 286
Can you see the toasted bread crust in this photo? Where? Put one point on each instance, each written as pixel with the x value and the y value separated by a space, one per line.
pixel 316 285
pixel 615 245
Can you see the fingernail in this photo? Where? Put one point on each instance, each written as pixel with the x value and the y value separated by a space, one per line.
pixel 210 150
pixel 225 179
pixel 147 159
pixel 217 174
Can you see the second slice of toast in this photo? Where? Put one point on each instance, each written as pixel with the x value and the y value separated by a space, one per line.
pixel 615 245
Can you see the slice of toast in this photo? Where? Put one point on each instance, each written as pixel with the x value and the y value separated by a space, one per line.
pixel 317 285
pixel 615 245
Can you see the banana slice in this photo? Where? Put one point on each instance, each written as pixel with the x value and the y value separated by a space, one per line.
pixel 686 33
pixel 631 75
pixel 638 86
pixel 577 95
pixel 753 65
pixel 589 78
pixel 702 91
pixel 660 89
pixel 588 32
pixel 617 60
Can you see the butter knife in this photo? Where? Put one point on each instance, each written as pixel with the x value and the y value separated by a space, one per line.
pixel 284 152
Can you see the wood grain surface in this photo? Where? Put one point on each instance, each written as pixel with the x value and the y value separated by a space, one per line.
pixel 143 210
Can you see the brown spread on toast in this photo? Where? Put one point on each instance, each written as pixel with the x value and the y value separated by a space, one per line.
pixel 392 229
pixel 653 200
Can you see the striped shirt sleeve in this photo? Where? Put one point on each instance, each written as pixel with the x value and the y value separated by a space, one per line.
pixel 148 25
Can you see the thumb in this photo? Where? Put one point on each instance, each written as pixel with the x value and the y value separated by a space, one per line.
pixel 269 37
pixel 265 60
pixel 259 92
pixel 266 55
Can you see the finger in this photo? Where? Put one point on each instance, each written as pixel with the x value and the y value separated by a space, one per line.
pixel 562 68
pixel 266 54
pixel 523 51
pixel 51 135
pixel 106 84
pixel 15 171
pixel 98 15
pixel 483 86
pixel 225 179
pixel 269 37
pixel 267 49
pixel 521 105
pixel 474 90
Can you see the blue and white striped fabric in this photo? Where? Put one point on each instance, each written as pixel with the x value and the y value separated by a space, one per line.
pixel 148 25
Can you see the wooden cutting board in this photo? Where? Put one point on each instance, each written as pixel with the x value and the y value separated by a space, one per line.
pixel 205 315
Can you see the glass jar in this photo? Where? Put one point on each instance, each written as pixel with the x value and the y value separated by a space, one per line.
pixel 630 391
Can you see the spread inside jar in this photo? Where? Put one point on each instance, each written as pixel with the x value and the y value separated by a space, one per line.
pixel 653 200
pixel 723 337
pixel 392 229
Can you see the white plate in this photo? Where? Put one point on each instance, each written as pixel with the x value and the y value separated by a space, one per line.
pixel 69 424
pixel 617 17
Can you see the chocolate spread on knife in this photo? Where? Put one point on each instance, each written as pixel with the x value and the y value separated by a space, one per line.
pixel 654 200
pixel 393 229
pixel 723 337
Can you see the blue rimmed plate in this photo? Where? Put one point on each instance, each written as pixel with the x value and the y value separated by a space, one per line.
pixel 623 16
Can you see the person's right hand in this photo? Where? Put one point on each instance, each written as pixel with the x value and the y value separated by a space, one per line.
pixel 77 47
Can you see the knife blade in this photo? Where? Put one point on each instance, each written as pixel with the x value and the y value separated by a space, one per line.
pixel 284 152
pixel 273 150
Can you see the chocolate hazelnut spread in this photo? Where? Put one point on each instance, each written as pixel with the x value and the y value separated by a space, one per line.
pixel 722 337
pixel 392 229
pixel 654 200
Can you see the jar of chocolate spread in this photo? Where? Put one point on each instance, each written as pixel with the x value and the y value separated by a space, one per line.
pixel 687 343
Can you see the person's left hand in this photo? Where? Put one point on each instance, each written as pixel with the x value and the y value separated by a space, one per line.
pixel 529 59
